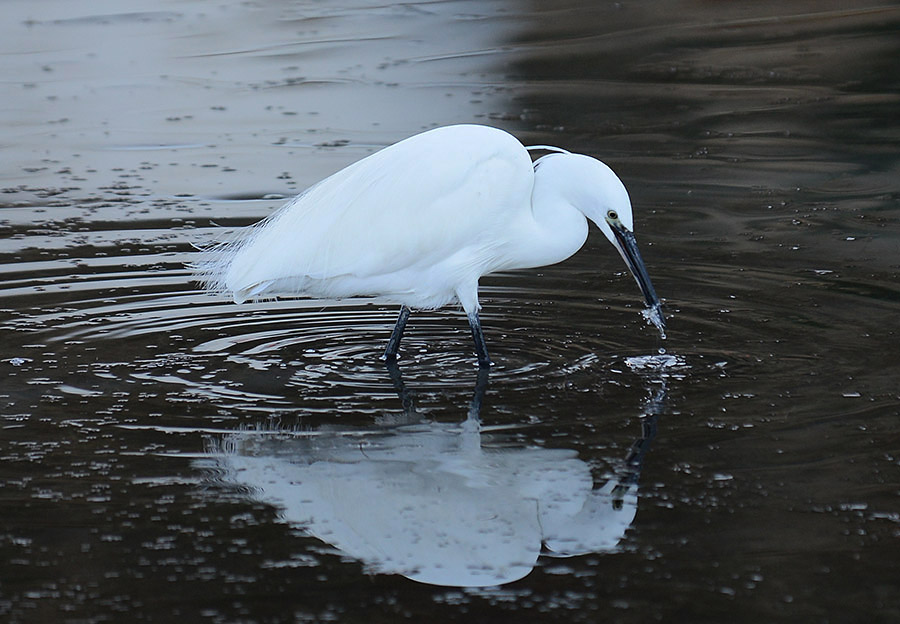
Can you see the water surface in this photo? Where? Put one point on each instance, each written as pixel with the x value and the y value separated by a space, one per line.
pixel 169 455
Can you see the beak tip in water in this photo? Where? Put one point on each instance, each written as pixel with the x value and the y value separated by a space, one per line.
pixel 654 315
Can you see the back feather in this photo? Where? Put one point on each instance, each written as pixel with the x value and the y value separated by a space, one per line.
pixel 411 205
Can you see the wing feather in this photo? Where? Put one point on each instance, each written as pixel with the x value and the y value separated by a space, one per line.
pixel 411 205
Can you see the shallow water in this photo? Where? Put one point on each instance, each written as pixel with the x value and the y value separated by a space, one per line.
pixel 169 455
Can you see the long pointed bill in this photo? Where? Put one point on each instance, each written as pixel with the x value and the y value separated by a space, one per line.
pixel 628 249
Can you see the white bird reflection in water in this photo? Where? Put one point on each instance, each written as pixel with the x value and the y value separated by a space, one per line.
pixel 444 504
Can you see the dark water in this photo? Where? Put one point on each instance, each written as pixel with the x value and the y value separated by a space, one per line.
pixel 168 456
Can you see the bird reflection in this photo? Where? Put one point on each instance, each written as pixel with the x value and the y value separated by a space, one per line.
pixel 444 504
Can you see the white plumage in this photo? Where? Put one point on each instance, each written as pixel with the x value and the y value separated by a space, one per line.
pixel 420 221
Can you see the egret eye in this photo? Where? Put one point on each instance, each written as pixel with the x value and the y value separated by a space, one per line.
pixel 612 215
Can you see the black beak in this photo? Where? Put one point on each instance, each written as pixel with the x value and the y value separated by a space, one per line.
pixel 627 246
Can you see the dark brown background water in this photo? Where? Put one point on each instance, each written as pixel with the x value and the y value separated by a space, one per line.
pixel 759 142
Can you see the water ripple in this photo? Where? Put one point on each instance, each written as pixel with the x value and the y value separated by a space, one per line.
pixel 143 317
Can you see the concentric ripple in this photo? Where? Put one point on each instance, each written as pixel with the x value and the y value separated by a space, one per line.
pixel 122 312
pixel 119 308
pixel 125 315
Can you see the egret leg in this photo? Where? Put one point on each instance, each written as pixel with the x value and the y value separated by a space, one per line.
pixel 390 353
pixel 406 397
pixel 484 360
pixel 481 385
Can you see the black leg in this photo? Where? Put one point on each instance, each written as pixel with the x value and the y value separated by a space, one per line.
pixel 484 360
pixel 481 384
pixel 406 397
pixel 390 353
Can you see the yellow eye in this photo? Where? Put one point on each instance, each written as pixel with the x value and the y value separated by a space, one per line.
pixel 612 215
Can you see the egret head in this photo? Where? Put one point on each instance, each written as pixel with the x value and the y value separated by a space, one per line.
pixel 594 189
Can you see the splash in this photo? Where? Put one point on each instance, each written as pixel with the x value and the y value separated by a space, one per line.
pixel 656 363
pixel 654 315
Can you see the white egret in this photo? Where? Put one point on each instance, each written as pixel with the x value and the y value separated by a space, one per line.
pixel 420 221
